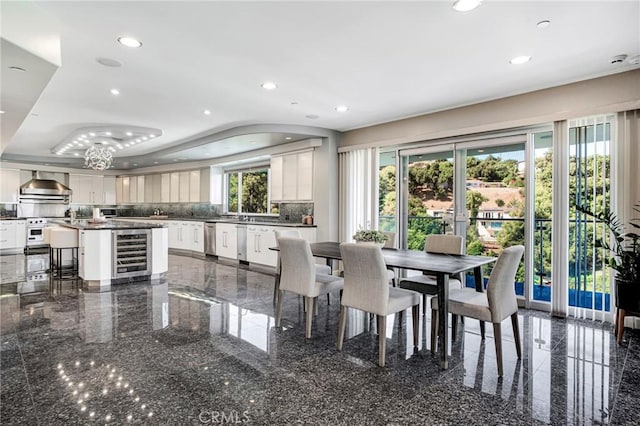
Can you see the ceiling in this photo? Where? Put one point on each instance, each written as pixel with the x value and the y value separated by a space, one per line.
pixel 384 60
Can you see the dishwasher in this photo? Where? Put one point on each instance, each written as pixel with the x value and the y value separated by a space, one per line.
pixel 210 238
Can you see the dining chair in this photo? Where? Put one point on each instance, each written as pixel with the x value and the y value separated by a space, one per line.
pixel 427 284
pixel 498 303
pixel 366 287
pixel 391 243
pixel 299 276
pixel 292 233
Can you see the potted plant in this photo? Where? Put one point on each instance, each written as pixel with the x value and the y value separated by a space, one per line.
pixel 625 259
pixel 371 236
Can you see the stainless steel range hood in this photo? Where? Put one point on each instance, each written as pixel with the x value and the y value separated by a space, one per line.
pixel 39 190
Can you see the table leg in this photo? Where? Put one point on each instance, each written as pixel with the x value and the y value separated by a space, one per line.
pixel 477 277
pixel 443 318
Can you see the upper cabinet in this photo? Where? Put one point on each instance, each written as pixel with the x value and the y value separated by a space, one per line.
pixel 92 189
pixel 292 177
pixel 193 186
pixel 9 185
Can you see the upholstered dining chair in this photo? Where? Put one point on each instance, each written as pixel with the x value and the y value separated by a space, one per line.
pixel 427 284
pixel 498 303
pixel 366 287
pixel 299 276
pixel 292 233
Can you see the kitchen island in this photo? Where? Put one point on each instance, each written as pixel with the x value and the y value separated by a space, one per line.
pixel 115 251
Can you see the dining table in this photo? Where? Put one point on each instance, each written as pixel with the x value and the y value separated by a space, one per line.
pixel 438 264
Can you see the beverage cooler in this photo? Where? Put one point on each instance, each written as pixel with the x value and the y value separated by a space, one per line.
pixel 131 253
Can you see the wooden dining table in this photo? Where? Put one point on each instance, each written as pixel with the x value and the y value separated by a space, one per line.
pixel 440 265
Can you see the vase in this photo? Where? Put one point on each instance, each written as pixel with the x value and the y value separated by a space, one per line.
pixel 381 245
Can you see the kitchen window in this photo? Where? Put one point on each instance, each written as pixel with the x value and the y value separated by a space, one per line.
pixel 248 192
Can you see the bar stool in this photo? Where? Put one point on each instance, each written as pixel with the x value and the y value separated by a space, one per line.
pixel 60 240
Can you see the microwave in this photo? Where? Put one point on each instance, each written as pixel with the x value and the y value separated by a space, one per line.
pixel 109 212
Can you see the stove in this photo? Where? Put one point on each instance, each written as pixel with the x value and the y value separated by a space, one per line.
pixel 35 232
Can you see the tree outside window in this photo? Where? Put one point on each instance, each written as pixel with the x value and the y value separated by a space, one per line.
pixel 248 191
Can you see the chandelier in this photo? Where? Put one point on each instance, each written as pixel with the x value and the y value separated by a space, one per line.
pixel 98 158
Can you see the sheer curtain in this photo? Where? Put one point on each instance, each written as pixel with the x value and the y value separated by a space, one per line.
pixel 358 191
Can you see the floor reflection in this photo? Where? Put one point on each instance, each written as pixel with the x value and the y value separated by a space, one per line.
pixel 205 340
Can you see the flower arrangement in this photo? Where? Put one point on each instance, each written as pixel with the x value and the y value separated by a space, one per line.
pixel 370 236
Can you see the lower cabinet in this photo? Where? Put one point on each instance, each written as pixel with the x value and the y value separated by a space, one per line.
pixel 13 234
pixel 227 240
pixel 259 239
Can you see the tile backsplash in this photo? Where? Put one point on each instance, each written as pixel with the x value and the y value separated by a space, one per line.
pixel 294 212
pixel 8 210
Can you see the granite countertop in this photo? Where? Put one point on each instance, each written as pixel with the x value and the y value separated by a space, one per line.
pixel 223 220
pixel 85 224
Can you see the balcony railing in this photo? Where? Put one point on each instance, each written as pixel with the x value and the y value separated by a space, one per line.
pixel 589 284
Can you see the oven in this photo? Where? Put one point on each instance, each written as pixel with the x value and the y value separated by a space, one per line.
pixel 35 232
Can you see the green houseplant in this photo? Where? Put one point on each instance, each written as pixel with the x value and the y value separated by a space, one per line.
pixel 625 259
pixel 370 236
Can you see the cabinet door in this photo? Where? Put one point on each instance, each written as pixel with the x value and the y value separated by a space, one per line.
pixel 148 189
pixel 126 194
pixel 133 189
pixel 289 177
pixel 305 176
pixel 9 185
pixel 226 240
pixel 109 190
pixel 253 254
pixel 7 234
pixel 165 187
pixel 174 231
pixel 183 196
pixel 141 189
pixel 119 190
pixel 267 239
pixel 197 236
pixel 21 233
pixel 175 187
pixel 194 186
pixel 96 189
pixel 276 178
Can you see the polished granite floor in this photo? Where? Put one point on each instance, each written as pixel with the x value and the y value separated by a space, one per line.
pixel 201 348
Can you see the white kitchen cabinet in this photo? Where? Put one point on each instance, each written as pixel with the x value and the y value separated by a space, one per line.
pixel 7 234
pixel 174 234
pixel 196 236
pixel 126 191
pixel 109 190
pixel 194 187
pixel 119 190
pixel 21 233
pixel 259 239
pixel 165 188
pixel 87 189
pixel 9 185
pixel 227 240
pixel 292 177
pixel 174 190
pixel 148 189
pixel 133 189
pixel 183 187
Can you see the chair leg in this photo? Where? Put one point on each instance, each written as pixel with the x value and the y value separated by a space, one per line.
pixel 482 329
pixel 454 326
pixel 424 304
pixel 276 288
pixel 415 310
pixel 328 300
pixel 516 334
pixel 382 339
pixel 279 307
pixel 615 323
pixel 310 303
pixel 621 314
pixel 342 326
pixel 315 305
pixel 497 336
pixel 434 330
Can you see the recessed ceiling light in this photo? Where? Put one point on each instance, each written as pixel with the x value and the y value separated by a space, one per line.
pixel 288 138
pixel 129 134
pixel 76 154
pixel 466 5
pixel 206 112
pixel 342 108
pixel 114 92
pixel 107 62
pixel 135 164
pixel 543 24
pixel 519 60
pixel 129 41
pixel 269 85
pixel 107 133
pixel 1 112
pixel 155 162
pixel 152 135
pixel 144 138
pixel 90 134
